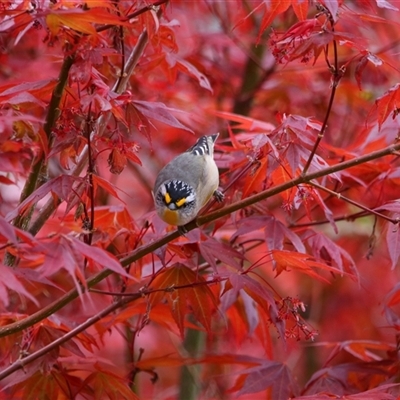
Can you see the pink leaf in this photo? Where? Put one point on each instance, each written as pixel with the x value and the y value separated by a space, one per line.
pixel 332 6
pixel 159 112
pixel 275 232
pixel 268 374
pixel 10 282
pixel 100 256
pixel 393 241
pixel 211 250
pixel 7 230
pixel 62 186
pixel 386 4
pixel 328 251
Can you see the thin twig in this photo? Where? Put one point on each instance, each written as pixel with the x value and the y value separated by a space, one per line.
pixel 336 77
pixel 346 217
pixel 89 132
pixel 149 7
pixel 55 343
pixel 354 203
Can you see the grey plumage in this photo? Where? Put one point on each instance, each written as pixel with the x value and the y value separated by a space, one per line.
pixel 197 170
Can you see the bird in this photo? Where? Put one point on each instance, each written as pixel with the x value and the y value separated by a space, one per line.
pixel 186 184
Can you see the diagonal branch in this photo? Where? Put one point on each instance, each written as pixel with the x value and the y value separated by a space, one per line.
pixel 390 150
pixel 128 298
pixel 149 248
pixel 19 364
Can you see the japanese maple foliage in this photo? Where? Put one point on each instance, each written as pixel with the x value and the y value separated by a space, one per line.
pixel 289 288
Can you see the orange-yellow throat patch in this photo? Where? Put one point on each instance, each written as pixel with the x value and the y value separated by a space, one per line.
pixel 171 217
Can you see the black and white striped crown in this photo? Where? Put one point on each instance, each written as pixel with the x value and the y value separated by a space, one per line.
pixel 204 145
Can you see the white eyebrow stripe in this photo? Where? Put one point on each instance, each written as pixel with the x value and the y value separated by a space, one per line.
pixel 190 198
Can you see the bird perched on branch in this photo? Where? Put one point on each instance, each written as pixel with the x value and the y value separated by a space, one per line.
pixel 187 183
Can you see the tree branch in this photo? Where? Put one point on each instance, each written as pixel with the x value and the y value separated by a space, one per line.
pixel 149 248
pixel 52 115
pixel 33 180
pixel 128 298
pixel 294 182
